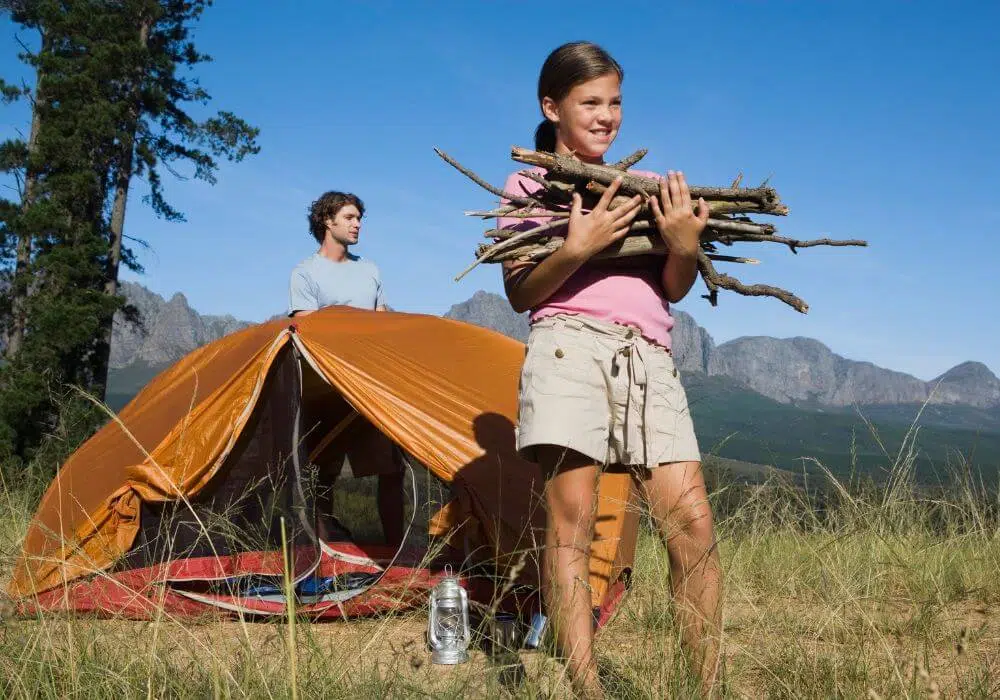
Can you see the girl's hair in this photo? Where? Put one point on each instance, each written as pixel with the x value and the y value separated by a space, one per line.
pixel 565 68
pixel 326 207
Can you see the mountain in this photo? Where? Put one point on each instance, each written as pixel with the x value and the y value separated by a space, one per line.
pixel 970 383
pixel 800 371
pixel 692 346
pixel 761 400
pixel 803 370
pixel 167 330
pixel 491 311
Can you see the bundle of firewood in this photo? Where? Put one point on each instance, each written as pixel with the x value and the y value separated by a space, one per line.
pixel 728 221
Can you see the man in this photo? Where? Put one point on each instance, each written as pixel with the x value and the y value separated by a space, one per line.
pixel 335 277
pixel 332 276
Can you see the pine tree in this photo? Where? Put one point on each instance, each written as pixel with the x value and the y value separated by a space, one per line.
pixel 155 131
pixel 108 107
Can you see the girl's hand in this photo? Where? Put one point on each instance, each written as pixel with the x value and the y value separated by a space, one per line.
pixel 679 226
pixel 591 233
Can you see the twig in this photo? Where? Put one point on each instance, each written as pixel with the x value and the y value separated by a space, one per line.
pixel 521 201
pixel 719 257
pixel 549 185
pixel 628 161
pixel 714 206
pixel 764 231
pixel 707 271
pixel 509 243
pixel 519 213
pixel 717 280
pixel 564 174
pixel 630 246
pixel 729 239
pixel 733 207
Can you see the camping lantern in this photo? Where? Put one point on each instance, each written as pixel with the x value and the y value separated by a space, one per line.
pixel 448 624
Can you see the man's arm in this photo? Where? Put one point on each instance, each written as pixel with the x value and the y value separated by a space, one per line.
pixel 301 295
pixel 380 304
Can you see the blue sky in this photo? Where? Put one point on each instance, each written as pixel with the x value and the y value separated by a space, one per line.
pixel 873 120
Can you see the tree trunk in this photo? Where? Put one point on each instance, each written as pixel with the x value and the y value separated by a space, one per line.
pixel 19 287
pixel 123 177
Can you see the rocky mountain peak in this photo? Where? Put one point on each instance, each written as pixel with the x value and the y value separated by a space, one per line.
pixel 791 370
pixel 491 311
pixel 968 371
pixel 968 383
pixel 167 330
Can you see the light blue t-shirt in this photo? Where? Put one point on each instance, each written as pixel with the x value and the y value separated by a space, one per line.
pixel 318 282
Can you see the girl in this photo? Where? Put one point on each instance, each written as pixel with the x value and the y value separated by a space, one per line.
pixel 599 386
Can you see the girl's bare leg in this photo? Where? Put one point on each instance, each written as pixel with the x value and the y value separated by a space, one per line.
pixel 570 497
pixel 678 502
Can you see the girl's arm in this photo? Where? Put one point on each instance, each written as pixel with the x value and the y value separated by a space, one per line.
pixel 529 284
pixel 681 229
pixel 679 273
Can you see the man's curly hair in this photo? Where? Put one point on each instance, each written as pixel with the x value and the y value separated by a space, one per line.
pixel 326 207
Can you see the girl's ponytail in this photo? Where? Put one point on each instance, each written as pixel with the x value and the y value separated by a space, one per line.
pixel 545 137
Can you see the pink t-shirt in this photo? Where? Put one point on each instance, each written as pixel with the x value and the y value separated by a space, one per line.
pixel 630 297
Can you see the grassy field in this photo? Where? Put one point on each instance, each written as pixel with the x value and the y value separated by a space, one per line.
pixel 859 591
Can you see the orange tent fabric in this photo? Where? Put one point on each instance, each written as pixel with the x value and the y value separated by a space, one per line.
pixel 443 390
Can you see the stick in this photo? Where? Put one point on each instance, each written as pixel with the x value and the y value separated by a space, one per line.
pixel 519 213
pixel 549 185
pixel 764 231
pixel 522 201
pixel 630 246
pixel 728 239
pixel 730 207
pixel 718 257
pixel 635 184
pixel 753 290
pixel 509 243
pixel 715 206
pixel 707 275
pixel 629 161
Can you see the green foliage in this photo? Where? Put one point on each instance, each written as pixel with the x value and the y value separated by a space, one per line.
pixel 109 105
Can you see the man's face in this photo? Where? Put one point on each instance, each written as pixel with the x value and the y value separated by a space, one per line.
pixel 345 226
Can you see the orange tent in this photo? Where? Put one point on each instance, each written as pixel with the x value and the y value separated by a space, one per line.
pixel 229 416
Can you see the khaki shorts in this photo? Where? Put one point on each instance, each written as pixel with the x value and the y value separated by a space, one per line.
pixel 602 390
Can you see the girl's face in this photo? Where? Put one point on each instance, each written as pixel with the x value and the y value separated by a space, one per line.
pixel 587 119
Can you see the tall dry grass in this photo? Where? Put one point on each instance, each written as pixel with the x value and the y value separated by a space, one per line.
pixel 841 588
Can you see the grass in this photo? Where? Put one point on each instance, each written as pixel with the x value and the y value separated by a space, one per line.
pixel 850 589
